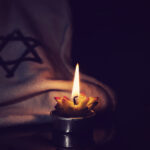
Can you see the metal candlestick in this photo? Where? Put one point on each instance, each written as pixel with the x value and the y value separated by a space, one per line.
pixel 73 131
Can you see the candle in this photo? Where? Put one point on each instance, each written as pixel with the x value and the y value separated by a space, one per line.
pixel 73 118
pixel 79 104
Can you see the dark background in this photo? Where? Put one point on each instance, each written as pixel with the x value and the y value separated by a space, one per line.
pixel 110 42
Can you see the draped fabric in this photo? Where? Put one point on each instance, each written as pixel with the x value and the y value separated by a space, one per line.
pixel 35 45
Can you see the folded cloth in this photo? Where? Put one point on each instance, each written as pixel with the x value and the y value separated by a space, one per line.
pixel 35 44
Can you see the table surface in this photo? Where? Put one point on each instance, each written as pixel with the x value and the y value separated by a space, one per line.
pixel 39 137
pixel 106 136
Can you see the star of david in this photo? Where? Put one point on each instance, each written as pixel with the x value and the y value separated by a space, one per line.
pixel 10 66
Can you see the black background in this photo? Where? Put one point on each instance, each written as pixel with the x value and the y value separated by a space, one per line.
pixel 110 42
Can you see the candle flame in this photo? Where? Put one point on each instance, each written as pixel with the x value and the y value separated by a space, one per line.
pixel 76 83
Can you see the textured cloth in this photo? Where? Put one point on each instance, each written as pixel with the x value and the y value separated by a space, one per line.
pixel 38 32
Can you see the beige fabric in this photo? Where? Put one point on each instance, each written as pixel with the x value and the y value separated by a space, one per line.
pixel 28 96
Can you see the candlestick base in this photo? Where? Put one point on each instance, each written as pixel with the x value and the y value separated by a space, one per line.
pixel 72 140
pixel 72 132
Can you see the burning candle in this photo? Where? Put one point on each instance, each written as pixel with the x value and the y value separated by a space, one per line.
pixel 79 104
pixel 72 119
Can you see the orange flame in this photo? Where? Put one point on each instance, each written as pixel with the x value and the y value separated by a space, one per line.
pixel 76 83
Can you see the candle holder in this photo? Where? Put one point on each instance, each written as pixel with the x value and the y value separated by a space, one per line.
pixel 72 131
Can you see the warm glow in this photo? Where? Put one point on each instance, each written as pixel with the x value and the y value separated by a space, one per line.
pixel 76 82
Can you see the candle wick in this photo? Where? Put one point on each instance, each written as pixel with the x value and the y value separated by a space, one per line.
pixel 74 100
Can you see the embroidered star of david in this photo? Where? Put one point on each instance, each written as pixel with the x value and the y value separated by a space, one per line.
pixel 28 50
